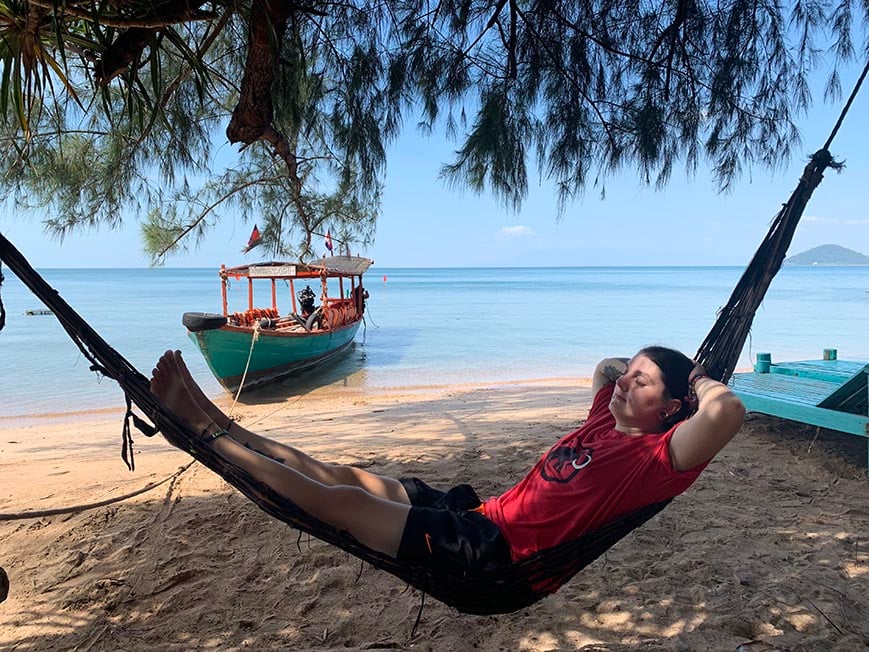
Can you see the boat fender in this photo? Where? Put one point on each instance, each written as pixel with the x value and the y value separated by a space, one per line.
pixel 202 321
pixel 268 323
pixel 314 317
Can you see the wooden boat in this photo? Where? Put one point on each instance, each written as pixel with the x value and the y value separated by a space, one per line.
pixel 261 344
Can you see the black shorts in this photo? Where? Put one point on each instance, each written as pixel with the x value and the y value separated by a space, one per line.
pixel 443 531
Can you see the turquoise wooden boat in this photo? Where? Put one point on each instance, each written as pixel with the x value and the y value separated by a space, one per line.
pixel 263 344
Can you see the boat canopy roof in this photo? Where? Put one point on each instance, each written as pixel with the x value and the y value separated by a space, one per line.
pixel 331 265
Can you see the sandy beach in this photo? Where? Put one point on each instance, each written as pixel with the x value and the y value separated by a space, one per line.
pixel 771 544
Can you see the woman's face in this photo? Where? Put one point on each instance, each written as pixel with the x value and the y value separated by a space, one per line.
pixel 640 397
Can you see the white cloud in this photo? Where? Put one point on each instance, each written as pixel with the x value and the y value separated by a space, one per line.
pixel 814 219
pixel 517 231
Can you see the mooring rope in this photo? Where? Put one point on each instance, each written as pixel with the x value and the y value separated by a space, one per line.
pixel 73 509
pixel 253 340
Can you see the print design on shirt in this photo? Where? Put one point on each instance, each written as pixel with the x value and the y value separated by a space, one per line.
pixel 564 462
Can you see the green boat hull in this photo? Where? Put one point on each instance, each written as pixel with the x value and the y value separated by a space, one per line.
pixel 275 355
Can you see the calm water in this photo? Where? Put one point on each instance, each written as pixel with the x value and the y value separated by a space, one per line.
pixel 432 326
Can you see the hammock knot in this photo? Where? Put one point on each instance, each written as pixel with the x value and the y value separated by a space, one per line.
pixel 143 426
pixel 102 370
pixel 822 159
pixel 127 437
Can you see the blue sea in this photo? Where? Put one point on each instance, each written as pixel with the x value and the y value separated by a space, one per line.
pixel 430 326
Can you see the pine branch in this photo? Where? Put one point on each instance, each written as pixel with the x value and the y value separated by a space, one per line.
pixel 208 209
pixel 147 21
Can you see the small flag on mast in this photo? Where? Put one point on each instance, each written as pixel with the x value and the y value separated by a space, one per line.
pixel 329 241
pixel 254 240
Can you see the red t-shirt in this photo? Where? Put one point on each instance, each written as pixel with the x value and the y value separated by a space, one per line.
pixel 589 478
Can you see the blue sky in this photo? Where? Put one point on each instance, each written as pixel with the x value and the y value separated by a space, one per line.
pixel 426 224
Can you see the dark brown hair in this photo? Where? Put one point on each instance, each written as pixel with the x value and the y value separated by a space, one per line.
pixel 675 367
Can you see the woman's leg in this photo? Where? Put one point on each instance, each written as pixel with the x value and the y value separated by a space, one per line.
pixel 374 521
pixel 328 474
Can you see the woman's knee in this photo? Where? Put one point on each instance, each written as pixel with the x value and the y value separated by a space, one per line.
pixel 381 486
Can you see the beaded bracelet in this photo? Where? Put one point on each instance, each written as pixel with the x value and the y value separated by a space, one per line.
pixel 210 437
pixel 696 378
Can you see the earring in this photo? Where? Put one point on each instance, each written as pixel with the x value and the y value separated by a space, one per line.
pixel 663 416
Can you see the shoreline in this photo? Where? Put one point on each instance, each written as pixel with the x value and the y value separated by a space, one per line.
pixel 278 393
pixel 224 399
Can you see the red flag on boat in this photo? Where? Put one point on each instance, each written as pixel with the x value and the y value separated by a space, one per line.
pixel 253 241
pixel 329 241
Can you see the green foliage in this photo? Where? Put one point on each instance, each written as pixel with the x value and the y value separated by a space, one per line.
pixel 116 110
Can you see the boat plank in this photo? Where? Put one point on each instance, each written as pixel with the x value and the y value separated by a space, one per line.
pixel 831 394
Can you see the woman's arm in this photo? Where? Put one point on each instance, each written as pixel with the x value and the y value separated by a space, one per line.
pixel 718 418
pixel 608 370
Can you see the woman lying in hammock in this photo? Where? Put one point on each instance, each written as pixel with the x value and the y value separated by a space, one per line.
pixel 637 447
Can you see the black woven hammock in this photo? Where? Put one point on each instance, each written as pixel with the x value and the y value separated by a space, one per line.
pixel 486 592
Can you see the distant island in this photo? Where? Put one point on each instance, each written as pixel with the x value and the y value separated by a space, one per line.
pixel 829 254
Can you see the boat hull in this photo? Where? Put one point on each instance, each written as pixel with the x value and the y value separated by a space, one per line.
pixel 275 354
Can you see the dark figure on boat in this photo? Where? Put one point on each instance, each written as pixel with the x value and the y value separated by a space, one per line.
pixel 360 294
pixel 312 316
pixel 306 301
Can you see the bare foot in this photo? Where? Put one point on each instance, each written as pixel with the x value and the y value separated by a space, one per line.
pixel 216 414
pixel 168 385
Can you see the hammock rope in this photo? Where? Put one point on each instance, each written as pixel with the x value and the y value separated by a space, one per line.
pixel 847 106
pixel 75 509
pixel 503 590
pixel 720 351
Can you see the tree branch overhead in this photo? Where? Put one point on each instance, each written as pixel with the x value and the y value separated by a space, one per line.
pixel 314 92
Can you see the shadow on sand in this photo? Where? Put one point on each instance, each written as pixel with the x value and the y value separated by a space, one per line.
pixel 750 553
